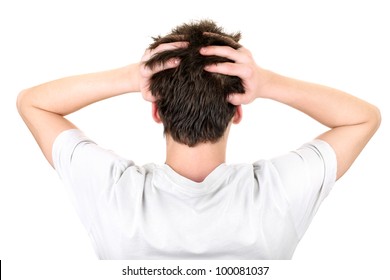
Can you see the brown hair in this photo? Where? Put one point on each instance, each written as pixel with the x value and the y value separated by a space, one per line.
pixel 192 103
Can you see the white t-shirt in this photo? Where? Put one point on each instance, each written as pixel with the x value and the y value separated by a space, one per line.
pixel 242 211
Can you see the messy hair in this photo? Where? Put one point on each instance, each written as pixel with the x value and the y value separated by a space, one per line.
pixel 192 103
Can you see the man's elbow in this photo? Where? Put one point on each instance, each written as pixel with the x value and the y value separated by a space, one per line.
pixel 23 101
pixel 376 118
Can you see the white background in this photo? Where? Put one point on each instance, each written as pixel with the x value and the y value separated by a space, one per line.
pixel 343 44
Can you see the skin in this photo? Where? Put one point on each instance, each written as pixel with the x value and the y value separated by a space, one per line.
pixel 351 121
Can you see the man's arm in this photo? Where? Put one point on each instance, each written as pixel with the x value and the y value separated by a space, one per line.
pixel 352 121
pixel 44 107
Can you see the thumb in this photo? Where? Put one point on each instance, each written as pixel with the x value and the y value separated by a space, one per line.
pixel 235 98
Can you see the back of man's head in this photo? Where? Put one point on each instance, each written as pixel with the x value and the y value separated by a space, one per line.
pixel 192 103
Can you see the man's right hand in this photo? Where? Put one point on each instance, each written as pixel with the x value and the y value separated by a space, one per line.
pixel 145 73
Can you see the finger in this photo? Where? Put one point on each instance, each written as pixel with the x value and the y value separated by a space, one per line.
pixel 230 68
pixel 238 98
pixel 234 99
pixel 163 47
pixel 241 55
pixel 229 40
pixel 149 97
pixel 168 46
pixel 171 63
pixel 167 39
pixel 224 51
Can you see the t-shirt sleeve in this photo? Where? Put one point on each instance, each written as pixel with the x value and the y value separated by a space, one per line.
pixel 307 174
pixel 88 171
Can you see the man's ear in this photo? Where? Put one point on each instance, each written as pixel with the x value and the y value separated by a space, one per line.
pixel 155 115
pixel 237 115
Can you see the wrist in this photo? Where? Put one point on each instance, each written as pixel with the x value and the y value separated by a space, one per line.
pixel 265 80
pixel 130 78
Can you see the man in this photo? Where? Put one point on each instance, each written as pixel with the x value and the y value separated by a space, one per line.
pixel 195 206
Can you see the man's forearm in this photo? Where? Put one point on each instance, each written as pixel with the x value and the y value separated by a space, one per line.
pixel 331 107
pixel 43 107
pixel 352 121
pixel 70 94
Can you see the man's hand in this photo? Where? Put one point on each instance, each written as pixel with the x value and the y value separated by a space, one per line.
pixel 146 73
pixel 352 121
pixel 244 66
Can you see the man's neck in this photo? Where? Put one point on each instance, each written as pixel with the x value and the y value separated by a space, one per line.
pixel 195 163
